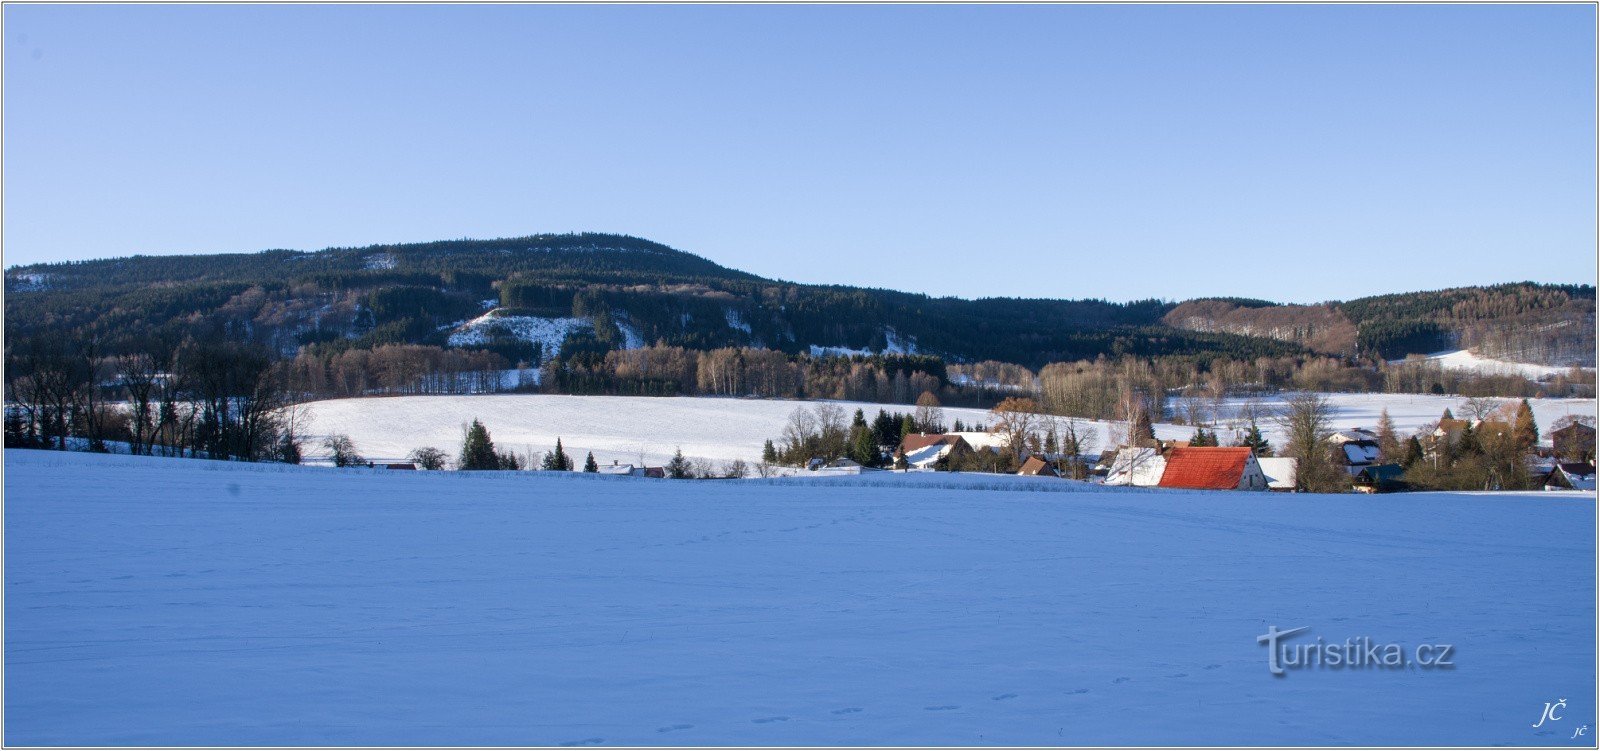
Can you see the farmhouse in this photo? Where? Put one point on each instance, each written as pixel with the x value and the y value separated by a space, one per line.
pixel 922 450
pixel 1210 468
pixel 1037 467
pixel 1357 449
pixel 1570 476
pixel 1573 443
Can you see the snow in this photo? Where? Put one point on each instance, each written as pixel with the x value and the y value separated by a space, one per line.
pixel 736 321
pixel 895 344
pixel 548 332
pixel 380 261
pixel 1462 359
pixel 818 351
pixel 723 429
pixel 1139 466
pixel 631 338
pixel 181 602
pixel 1279 471
pixel 898 345
pixel 30 282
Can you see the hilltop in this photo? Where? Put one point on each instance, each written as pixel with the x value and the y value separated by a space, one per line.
pixel 530 299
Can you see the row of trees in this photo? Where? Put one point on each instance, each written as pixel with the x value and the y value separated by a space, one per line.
pixel 205 398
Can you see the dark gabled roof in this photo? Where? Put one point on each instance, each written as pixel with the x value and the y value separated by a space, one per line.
pixel 1036 466
pixel 1383 473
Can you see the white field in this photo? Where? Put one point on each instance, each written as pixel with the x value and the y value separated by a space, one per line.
pixel 625 428
pixel 1462 359
pixel 180 602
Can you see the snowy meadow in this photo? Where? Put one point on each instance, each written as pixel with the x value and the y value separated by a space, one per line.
pixel 183 602
pixel 646 430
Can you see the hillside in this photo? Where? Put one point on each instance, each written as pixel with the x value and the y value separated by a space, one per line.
pixel 606 292
pixel 1549 325
pixel 151 604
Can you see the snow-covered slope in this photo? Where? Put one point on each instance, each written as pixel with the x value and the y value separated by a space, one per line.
pixel 549 333
pixel 720 429
pixel 179 602
pixel 1462 359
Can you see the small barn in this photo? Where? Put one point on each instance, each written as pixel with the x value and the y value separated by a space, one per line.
pixel 1380 478
pixel 1038 467
pixel 1212 468
pixel 1570 476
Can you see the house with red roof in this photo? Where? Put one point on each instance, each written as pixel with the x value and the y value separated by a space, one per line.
pixel 1208 468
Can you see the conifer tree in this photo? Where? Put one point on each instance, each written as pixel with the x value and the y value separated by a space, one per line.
pixel 557 461
pixel 769 453
pixel 477 449
pixel 1413 452
pixel 679 468
pixel 589 464
pixel 863 449
pixel 1255 441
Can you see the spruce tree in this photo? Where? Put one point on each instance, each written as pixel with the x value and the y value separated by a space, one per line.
pixel 557 461
pixel 907 426
pixel 1447 415
pixel 769 453
pixel 477 449
pixel 863 448
pixel 679 468
pixel 589 464
pixel 1413 452
pixel 1257 442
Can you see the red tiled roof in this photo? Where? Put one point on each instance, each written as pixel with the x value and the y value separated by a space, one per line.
pixel 915 441
pixel 1204 468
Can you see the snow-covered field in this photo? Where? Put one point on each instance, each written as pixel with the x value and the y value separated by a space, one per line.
pixel 721 429
pixel 1462 359
pixel 182 602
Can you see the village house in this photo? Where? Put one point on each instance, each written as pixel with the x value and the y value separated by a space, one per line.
pixel 1379 478
pixel 1570 476
pixel 1282 472
pixel 1357 449
pixel 1212 468
pixel 1038 467
pixel 1139 466
pixel 1573 443
pixel 923 450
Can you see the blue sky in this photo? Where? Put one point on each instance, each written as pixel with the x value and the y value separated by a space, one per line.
pixel 1296 153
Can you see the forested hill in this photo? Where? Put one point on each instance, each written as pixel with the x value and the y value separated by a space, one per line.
pixel 603 292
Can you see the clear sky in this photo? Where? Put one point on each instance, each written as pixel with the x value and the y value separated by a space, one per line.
pixel 1296 153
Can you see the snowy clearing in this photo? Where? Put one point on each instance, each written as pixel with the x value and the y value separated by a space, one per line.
pixel 182 602
pixel 624 428
pixel 549 333
pixel 1462 359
